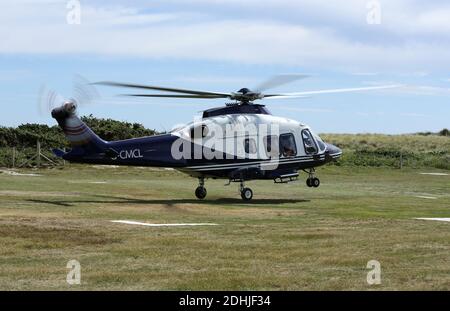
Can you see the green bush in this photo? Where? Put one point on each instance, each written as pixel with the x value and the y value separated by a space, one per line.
pixel 386 150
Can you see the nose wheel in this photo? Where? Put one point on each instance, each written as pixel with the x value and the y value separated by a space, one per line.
pixel 201 192
pixel 312 181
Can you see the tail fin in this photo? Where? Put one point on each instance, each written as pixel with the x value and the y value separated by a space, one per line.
pixel 77 132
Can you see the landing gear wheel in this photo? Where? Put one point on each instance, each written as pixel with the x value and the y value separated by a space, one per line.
pixel 315 182
pixel 247 194
pixel 200 193
pixel 312 180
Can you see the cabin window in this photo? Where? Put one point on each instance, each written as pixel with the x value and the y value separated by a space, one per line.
pixel 308 142
pixel 250 146
pixel 287 145
pixel 199 131
pixel 271 145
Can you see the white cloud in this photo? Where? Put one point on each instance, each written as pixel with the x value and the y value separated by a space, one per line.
pixel 127 31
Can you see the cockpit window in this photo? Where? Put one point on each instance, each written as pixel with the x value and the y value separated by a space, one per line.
pixel 287 145
pixel 308 142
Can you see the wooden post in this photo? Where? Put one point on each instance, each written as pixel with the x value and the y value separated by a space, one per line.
pixel 14 157
pixel 401 160
pixel 38 154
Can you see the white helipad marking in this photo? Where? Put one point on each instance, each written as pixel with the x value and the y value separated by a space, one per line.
pixel 128 222
pixel 434 174
pixel 437 219
pixel 425 197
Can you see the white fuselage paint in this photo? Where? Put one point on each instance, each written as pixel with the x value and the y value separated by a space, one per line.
pixel 233 131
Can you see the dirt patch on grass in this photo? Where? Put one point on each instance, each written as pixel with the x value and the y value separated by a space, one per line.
pixel 39 235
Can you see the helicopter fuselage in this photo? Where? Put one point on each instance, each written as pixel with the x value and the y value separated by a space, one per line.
pixel 235 146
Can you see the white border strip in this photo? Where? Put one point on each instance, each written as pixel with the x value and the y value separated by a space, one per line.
pixel 129 222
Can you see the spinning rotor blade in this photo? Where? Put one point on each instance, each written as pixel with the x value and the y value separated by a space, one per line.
pixel 47 100
pixel 174 96
pixel 279 80
pixel 84 92
pixel 167 89
pixel 332 91
pixel 243 96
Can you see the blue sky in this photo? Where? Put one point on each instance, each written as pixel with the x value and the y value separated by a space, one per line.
pixel 224 45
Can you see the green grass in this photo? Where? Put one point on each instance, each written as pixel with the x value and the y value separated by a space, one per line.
pixel 289 237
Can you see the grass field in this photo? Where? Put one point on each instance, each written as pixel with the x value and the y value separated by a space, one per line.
pixel 289 237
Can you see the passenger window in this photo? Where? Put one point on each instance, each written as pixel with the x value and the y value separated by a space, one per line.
pixel 199 131
pixel 308 142
pixel 271 145
pixel 250 146
pixel 287 145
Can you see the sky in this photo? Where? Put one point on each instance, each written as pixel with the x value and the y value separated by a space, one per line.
pixel 224 45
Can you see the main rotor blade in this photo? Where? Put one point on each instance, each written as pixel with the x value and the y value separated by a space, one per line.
pixel 332 91
pixel 175 96
pixel 279 80
pixel 160 88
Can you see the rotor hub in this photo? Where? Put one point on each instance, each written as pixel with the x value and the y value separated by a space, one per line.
pixel 67 109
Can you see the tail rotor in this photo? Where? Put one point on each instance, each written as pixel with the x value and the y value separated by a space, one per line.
pixel 83 93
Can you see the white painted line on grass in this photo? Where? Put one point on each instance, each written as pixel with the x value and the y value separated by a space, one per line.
pixel 425 197
pixel 128 222
pixel 435 174
pixel 13 173
pixel 437 219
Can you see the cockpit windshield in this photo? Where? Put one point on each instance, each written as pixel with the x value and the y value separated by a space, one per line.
pixel 312 142
pixel 320 142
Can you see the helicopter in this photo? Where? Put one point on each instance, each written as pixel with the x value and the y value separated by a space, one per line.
pixel 238 142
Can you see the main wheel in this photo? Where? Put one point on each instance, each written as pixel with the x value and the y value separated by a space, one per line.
pixel 315 182
pixel 247 194
pixel 200 192
pixel 309 182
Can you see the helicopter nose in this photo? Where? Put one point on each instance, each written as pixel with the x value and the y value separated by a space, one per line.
pixel 334 151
